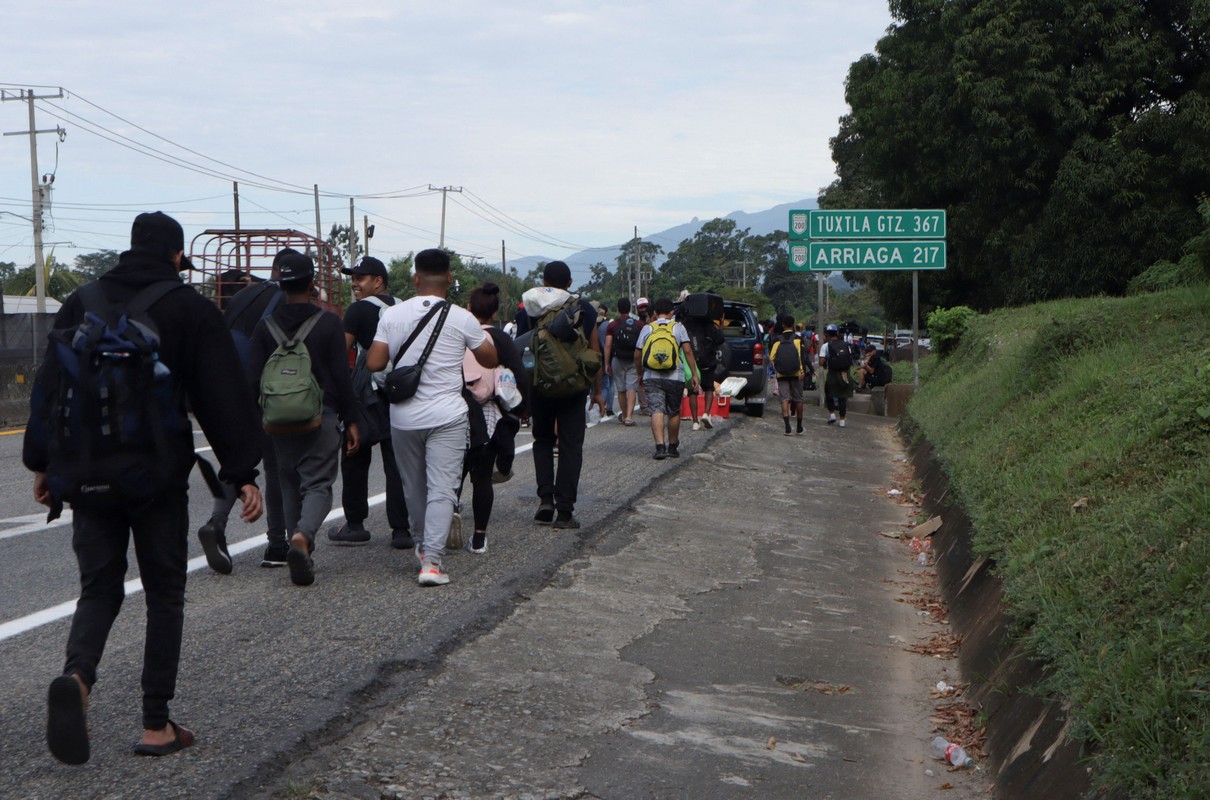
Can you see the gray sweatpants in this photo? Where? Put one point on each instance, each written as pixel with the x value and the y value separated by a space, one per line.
pixel 430 463
pixel 273 513
pixel 307 465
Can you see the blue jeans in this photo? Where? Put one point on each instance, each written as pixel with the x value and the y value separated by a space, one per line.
pixel 607 391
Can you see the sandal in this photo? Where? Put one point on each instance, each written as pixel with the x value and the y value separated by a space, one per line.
pixel 184 738
pixel 66 726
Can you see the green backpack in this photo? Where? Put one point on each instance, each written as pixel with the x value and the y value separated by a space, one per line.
pixel 661 351
pixel 564 363
pixel 290 398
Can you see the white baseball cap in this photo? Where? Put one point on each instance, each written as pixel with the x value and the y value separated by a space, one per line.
pixel 642 302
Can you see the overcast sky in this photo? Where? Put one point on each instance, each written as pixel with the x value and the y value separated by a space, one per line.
pixel 566 123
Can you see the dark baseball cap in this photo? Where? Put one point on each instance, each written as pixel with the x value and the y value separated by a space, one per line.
pixel 156 232
pixel 368 265
pixel 296 267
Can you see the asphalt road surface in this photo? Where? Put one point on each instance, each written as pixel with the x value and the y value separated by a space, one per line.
pixel 269 669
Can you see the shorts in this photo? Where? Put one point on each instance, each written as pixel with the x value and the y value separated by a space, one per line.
pixel 790 389
pixel 705 378
pixel 625 378
pixel 664 395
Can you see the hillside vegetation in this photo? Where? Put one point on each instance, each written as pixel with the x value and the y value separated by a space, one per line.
pixel 1077 436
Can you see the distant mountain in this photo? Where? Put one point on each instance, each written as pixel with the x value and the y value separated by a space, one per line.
pixel 760 223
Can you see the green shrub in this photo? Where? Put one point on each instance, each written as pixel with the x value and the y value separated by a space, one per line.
pixel 946 326
pixel 1168 275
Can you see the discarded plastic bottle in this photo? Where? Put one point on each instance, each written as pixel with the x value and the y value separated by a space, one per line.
pixel 950 752
pixel 923 559
pixel 527 359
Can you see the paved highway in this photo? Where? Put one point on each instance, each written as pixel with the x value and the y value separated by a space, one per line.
pixel 270 671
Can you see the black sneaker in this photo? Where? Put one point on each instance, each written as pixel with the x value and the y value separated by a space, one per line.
pixel 214 543
pixel 673 451
pixel 349 533
pixel 566 521
pixel 799 426
pixel 275 554
pixel 546 513
pixel 661 452
pixel 402 539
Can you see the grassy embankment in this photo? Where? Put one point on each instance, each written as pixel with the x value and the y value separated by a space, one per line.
pixel 1077 436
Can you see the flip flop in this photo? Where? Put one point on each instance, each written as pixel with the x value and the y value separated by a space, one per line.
pixel 66 727
pixel 184 738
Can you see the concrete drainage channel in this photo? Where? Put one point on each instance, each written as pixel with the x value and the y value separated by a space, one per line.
pixel 1028 749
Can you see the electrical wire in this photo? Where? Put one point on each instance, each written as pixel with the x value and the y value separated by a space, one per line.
pixel 282 186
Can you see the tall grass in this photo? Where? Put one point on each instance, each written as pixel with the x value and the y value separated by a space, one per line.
pixel 1109 400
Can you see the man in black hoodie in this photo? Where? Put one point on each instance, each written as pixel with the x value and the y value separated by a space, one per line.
pixel 197 351
pixel 308 457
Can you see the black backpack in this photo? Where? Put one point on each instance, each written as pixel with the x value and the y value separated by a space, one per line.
pixel 626 339
pixel 703 344
pixel 110 406
pixel 787 360
pixel 248 307
pixel 840 354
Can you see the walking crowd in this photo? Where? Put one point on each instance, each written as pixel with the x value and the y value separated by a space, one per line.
pixel 438 389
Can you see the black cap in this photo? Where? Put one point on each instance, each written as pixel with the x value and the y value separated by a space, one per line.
pixel 158 233
pixel 296 267
pixel 368 265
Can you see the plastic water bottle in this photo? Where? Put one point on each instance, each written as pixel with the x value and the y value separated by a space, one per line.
pixel 950 752
pixel 527 359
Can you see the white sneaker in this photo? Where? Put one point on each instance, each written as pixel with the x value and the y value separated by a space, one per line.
pixel 842 423
pixel 431 574
pixel 697 427
pixel 831 418
pixel 706 423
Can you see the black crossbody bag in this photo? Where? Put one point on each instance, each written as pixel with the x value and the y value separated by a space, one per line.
pixel 402 382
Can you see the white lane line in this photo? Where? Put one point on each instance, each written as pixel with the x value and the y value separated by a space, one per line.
pixel 63 610
pixel 35 523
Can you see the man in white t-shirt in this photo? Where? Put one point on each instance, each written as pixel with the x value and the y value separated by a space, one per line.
pixel 429 430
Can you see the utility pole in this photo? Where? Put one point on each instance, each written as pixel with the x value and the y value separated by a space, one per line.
pixel 38 191
pixel 443 190
pixel 238 243
pixel 319 228
pixel 637 275
pixel 352 235
pixel 503 283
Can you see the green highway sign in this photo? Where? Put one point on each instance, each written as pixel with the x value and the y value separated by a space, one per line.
pixel 867 224
pixel 842 255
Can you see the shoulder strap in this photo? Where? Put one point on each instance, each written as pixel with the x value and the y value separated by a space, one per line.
pixel 416 331
pixel 151 294
pixel 305 329
pixel 94 299
pixel 244 299
pixel 275 331
pixel 428 348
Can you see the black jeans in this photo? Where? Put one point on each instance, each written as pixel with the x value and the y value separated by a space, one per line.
pixel 569 413
pixel 355 486
pixel 837 404
pixel 161 545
